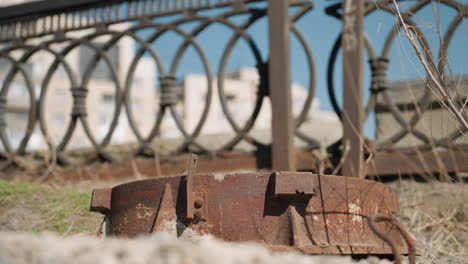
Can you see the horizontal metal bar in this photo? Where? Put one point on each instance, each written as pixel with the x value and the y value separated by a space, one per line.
pixel 46 7
pixel 16 21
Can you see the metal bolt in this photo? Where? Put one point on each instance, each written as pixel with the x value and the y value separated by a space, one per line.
pixel 197 215
pixel 198 203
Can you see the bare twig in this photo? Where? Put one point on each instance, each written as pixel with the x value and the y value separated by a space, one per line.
pixel 135 169
pixel 448 102
pixel 69 229
pixel 368 160
pixel 157 164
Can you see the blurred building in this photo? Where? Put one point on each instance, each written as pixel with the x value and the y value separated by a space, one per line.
pixel 101 99
pixel 436 120
pixel 240 92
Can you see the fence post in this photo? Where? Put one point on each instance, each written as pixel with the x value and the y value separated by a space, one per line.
pixel 280 86
pixel 353 112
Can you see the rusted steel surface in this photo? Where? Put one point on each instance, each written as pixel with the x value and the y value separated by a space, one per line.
pixel 353 87
pixel 293 184
pixel 101 200
pixel 393 244
pixel 166 213
pixel 193 162
pixel 279 82
pixel 311 213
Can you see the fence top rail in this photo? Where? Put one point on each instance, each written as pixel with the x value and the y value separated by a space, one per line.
pixel 46 7
pixel 49 7
pixel 43 17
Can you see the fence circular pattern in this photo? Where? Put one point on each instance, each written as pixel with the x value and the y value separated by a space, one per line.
pixel 169 88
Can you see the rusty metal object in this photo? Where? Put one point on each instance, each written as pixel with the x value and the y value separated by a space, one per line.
pixel 193 161
pixel 166 213
pixel 101 200
pixel 279 82
pixel 302 211
pixel 353 87
pixel 293 185
pixel 390 240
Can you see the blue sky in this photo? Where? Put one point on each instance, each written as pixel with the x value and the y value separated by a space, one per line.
pixel 321 32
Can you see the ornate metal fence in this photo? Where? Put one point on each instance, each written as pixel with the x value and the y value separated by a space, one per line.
pixel 100 16
pixel 46 26
pixel 382 96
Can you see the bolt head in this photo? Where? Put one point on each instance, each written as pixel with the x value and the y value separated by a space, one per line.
pixel 197 215
pixel 198 203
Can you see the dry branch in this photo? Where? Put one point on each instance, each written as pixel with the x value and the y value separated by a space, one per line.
pixel 448 100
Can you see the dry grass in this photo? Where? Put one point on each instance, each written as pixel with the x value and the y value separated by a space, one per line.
pixel 436 214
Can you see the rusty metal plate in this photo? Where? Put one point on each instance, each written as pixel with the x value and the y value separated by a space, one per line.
pixel 314 214
pixel 294 185
pixel 101 200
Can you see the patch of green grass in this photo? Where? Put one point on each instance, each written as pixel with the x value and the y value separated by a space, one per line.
pixel 35 231
pixel 79 200
pixel 10 191
pixel 64 208
pixel 59 209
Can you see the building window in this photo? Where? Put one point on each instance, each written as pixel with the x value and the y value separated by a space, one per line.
pixel 108 99
pixel 136 104
pixel 230 96
pixel 107 108
pixel 18 90
pixel 17 119
pixel 59 119
pixel 104 118
pixel 60 95
pixel 15 136
pixel 136 83
pixel 79 142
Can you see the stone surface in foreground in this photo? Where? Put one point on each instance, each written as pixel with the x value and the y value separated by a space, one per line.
pixel 158 248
